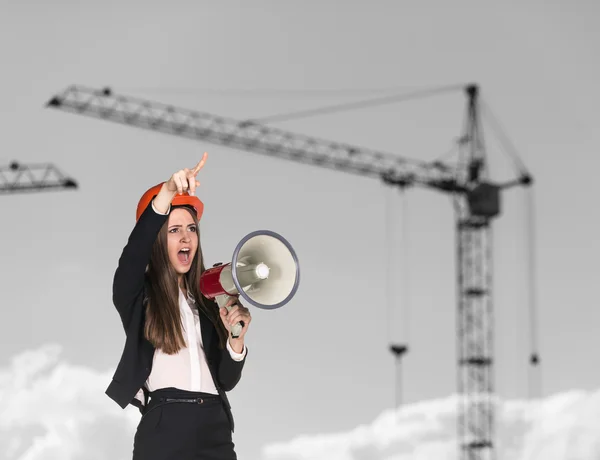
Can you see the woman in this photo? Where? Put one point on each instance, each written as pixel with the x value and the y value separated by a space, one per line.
pixel 179 357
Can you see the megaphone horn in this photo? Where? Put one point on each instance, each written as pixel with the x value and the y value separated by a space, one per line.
pixel 264 271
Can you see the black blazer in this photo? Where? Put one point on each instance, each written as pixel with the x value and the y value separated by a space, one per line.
pixel 129 287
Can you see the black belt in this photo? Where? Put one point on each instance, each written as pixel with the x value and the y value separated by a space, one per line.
pixel 192 400
pixel 158 401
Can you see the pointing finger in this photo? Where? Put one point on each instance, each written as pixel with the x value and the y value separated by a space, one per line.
pixel 200 164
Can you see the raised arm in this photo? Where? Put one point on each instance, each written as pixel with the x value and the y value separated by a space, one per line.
pixel 128 281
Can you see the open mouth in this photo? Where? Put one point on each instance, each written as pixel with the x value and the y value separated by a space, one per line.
pixel 184 256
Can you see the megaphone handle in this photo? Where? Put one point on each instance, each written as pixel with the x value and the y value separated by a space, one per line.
pixel 236 329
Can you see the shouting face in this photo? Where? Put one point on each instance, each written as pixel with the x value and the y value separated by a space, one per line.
pixel 182 240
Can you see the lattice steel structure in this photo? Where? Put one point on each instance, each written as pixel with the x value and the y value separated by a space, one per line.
pixel 18 178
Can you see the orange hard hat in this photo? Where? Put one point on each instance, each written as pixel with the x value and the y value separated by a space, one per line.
pixel 179 200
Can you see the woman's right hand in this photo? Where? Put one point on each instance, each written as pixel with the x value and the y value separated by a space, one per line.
pixel 184 180
pixel 181 181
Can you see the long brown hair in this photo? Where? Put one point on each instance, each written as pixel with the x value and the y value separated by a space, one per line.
pixel 163 320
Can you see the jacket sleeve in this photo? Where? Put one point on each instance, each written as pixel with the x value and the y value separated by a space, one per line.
pixel 128 281
pixel 230 370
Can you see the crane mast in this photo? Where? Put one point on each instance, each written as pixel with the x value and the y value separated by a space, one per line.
pixel 474 211
pixel 476 202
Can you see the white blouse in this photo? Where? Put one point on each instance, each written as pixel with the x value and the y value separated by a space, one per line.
pixel 186 369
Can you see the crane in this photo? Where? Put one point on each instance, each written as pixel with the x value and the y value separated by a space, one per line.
pixel 476 202
pixel 18 178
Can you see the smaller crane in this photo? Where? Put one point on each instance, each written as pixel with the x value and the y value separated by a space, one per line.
pixel 17 178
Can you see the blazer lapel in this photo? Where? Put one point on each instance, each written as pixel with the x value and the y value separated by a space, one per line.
pixel 206 328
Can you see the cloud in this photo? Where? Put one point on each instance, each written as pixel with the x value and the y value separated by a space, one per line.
pixel 561 427
pixel 55 411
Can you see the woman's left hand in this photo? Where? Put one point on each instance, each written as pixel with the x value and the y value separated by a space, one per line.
pixel 238 313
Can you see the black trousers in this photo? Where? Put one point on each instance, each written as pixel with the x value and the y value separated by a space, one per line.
pixel 176 430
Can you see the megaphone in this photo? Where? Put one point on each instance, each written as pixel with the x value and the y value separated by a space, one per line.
pixel 264 271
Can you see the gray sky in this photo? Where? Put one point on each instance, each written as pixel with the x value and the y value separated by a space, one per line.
pixel 321 363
